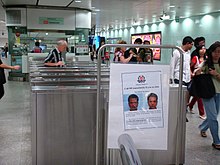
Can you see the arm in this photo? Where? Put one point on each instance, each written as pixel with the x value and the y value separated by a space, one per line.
pixel 214 73
pixel 193 63
pixel 128 54
pixel 49 60
pixel 59 63
pixel 125 60
pixel 15 67
pixel 173 62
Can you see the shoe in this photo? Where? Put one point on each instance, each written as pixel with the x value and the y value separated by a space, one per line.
pixel 216 146
pixel 187 120
pixel 203 134
pixel 191 111
pixel 202 117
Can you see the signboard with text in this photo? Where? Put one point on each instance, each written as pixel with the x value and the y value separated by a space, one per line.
pixel 49 20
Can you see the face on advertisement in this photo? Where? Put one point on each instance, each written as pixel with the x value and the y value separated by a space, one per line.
pixel 133 102
pixel 152 101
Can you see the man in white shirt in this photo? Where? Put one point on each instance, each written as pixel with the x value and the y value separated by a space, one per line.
pixel 187 44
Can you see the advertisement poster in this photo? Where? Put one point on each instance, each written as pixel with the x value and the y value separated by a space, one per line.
pixel 138 105
pixel 142 103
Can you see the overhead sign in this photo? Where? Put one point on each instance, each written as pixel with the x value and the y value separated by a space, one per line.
pixel 48 20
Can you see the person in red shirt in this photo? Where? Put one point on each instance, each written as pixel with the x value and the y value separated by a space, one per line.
pixel 195 61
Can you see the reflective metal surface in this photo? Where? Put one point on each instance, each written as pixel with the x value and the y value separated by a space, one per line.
pixel 63 125
pixel 64 113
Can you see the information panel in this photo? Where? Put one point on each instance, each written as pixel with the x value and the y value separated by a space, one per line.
pixel 138 105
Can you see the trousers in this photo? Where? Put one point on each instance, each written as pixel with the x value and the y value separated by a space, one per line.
pixel 212 108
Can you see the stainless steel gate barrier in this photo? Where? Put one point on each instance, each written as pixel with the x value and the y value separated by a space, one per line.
pixel 64 114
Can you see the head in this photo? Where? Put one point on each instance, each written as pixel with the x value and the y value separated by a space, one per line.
pixel 102 43
pixel 37 43
pixel 138 41
pixel 152 100
pixel 121 48
pixel 133 102
pixel 62 45
pixel 202 51
pixel 187 43
pixel 146 42
pixel 199 41
pixel 213 54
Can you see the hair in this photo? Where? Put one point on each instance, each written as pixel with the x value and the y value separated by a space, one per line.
pixel 146 41
pixel 138 40
pixel 61 42
pixel 199 48
pixel 120 42
pixel 133 96
pixel 187 39
pixel 37 43
pixel 210 50
pixel 197 40
pixel 152 95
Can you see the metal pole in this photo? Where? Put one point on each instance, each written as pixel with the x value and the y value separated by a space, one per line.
pixel 98 109
pixel 179 115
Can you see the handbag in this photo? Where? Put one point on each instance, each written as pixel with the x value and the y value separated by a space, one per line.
pixel 202 86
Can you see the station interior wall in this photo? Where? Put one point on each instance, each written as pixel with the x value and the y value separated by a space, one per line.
pixel 173 32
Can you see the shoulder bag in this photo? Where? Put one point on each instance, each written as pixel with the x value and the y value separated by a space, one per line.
pixel 202 86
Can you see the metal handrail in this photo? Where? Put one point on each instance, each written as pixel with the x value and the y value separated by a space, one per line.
pixel 98 120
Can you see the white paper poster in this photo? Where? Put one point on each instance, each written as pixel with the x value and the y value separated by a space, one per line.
pixel 142 103
pixel 138 105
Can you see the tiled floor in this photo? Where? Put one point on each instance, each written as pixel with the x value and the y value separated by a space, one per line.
pixel 15 131
pixel 15 128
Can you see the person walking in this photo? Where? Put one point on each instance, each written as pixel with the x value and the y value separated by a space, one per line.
pixel 187 44
pixel 195 61
pixel 212 105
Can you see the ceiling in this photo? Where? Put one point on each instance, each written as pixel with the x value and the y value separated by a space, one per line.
pixel 123 13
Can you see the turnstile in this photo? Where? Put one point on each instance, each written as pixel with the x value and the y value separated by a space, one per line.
pixel 71 81
pixel 64 114
pixel 64 124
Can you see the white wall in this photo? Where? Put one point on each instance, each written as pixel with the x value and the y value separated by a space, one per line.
pixel 33 16
pixel 83 19
pixel 3 41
